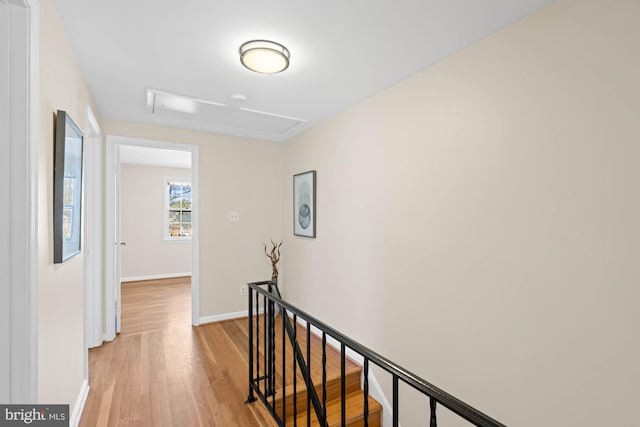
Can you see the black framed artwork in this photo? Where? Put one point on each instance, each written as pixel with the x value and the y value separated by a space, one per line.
pixel 67 188
pixel 304 204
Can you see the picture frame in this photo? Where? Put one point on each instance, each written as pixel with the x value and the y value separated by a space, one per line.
pixel 304 204
pixel 67 188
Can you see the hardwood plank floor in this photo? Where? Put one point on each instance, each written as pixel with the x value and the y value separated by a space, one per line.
pixel 156 304
pixel 160 371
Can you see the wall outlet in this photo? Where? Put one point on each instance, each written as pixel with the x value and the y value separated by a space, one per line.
pixel 243 290
pixel 234 216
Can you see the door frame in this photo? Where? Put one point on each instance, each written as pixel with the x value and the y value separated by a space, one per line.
pixel 20 96
pixel 93 233
pixel 112 240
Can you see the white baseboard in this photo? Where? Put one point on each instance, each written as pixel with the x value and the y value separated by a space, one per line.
pixel 227 316
pixel 375 390
pixel 79 406
pixel 155 277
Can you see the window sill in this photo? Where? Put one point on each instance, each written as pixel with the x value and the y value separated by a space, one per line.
pixel 177 240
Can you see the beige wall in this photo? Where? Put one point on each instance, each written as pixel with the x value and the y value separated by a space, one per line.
pixel 478 223
pixel 143 201
pixel 236 174
pixel 61 293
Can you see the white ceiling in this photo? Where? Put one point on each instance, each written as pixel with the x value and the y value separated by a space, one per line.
pixel 342 51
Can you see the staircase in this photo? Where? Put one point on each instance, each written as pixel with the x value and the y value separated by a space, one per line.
pixel 295 395
pixel 283 357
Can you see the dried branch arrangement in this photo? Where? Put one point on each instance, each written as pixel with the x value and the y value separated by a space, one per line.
pixel 274 256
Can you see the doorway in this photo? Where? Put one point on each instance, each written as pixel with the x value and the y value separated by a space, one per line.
pixel 122 165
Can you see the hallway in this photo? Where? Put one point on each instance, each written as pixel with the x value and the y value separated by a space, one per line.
pixel 160 371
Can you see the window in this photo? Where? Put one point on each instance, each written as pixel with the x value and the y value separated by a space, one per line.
pixel 177 225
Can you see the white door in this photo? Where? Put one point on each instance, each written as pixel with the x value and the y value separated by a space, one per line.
pixel 112 246
pixel 118 242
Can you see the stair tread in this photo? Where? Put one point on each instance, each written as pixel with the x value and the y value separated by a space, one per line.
pixel 331 377
pixel 333 386
pixel 354 407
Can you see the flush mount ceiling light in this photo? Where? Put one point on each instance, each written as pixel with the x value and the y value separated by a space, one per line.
pixel 264 56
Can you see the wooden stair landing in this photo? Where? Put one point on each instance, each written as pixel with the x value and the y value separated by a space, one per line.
pixel 354 395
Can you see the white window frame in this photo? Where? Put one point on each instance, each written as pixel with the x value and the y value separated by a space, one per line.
pixel 165 223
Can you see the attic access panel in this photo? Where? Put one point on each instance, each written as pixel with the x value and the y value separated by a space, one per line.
pixel 182 107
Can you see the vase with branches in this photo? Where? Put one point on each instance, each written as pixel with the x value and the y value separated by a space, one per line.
pixel 274 257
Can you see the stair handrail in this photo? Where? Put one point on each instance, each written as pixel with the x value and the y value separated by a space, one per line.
pixel 447 400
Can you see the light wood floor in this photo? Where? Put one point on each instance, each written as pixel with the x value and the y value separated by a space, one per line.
pixel 160 371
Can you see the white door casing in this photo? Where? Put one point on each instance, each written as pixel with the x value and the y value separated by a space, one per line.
pixel 93 231
pixel 18 232
pixel 118 240
pixel 5 217
pixel 112 224
pixel 112 240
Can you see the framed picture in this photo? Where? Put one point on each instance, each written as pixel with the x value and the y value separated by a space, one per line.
pixel 67 188
pixel 304 204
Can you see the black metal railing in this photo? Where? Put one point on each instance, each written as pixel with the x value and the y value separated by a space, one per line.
pixel 264 297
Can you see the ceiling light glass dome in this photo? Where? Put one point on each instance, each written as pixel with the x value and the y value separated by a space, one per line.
pixel 264 56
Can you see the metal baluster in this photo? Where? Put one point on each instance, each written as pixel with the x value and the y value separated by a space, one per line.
pixel 295 375
pixel 267 349
pixel 434 421
pixel 284 370
pixel 264 343
pixel 267 318
pixel 343 385
pixel 366 392
pixel 324 373
pixel 272 332
pixel 396 414
pixel 309 372
pixel 258 342
pixel 251 397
